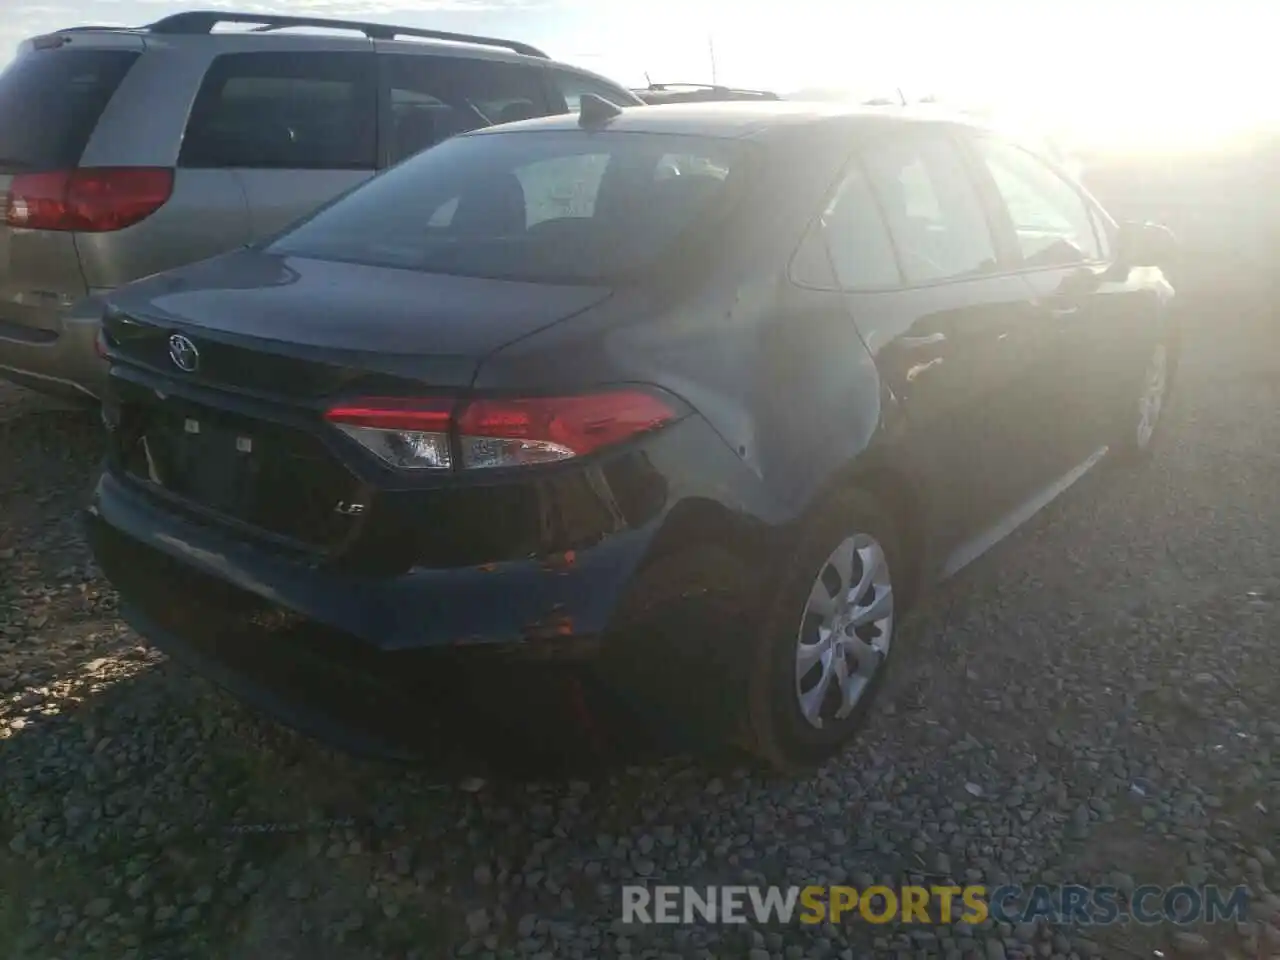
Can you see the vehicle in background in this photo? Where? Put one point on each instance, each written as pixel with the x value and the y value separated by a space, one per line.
pixel 685 401
pixel 698 93
pixel 125 152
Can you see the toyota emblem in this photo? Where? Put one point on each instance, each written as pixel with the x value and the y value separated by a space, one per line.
pixel 183 353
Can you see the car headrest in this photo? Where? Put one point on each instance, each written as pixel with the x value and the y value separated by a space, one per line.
pixel 496 207
pixel 512 112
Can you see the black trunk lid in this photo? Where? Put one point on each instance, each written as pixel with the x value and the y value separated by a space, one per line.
pixel 221 373
pixel 303 329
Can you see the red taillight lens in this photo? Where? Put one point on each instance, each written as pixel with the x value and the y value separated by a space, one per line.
pixel 92 200
pixel 37 201
pixel 394 413
pixel 499 432
pixel 510 433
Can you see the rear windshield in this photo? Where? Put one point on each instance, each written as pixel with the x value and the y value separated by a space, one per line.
pixel 553 206
pixel 50 101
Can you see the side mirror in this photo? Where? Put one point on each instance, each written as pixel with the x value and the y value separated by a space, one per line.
pixel 1146 245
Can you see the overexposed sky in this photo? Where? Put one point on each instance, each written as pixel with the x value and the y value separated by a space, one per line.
pixel 1118 68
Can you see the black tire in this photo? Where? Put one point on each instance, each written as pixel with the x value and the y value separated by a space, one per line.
pixel 777 732
pixel 1127 448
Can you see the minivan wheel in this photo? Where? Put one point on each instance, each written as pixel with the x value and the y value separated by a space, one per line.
pixel 824 649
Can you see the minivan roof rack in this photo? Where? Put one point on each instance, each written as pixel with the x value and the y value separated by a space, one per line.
pixel 203 21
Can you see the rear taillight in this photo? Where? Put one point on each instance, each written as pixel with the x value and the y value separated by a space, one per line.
pixel 405 433
pixel 91 200
pixel 421 434
pixel 509 433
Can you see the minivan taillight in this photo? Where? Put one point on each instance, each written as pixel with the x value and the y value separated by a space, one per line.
pixel 491 432
pixel 89 200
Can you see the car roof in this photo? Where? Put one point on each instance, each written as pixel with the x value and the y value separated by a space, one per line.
pixel 740 119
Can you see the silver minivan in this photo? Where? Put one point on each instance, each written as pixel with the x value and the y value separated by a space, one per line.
pixel 126 152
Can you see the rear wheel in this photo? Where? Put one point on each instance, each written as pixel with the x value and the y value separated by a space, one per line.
pixel 824 648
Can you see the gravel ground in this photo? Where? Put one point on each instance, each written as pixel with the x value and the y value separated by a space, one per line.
pixel 1095 701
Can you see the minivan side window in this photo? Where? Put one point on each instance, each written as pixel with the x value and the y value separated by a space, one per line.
pixel 932 208
pixel 1050 217
pixel 291 110
pixel 861 252
pixel 573 85
pixel 434 98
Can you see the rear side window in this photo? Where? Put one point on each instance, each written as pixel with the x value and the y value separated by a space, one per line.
pixel 562 207
pixel 573 85
pixel 861 251
pixel 309 111
pixel 50 102
pixel 932 208
pixel 434 98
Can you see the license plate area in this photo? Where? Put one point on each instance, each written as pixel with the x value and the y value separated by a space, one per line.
pixel 275 478
pixel 207 462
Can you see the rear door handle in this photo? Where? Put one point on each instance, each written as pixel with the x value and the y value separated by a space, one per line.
pixel 1062 313
pixel 915 343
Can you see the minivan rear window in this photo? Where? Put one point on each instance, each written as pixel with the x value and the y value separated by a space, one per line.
pixel 50 102
pixel 540 206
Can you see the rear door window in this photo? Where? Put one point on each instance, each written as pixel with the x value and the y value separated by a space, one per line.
pixel 308 111
pixel 50 102
pixel 932 208
pixel 434 98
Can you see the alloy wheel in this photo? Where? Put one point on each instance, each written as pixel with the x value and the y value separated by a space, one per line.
pixel 1151 403
pixel 846 631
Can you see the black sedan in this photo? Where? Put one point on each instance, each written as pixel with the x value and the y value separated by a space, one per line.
pixel 686 403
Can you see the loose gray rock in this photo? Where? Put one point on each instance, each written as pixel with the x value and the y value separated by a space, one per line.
pixel 1190 944
pixel 478 921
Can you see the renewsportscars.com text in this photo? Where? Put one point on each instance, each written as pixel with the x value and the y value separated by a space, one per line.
pixel 1069 904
